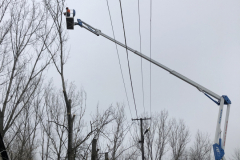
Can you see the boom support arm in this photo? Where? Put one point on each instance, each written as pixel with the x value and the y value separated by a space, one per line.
pixel 198 86
pixel 219 146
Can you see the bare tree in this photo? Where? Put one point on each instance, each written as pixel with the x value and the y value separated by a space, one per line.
pixel 163 131
pixel 236 154
pixel 75 140
pixel 151 136
pixel 55 125
pixel 156 139
pixel 24 142
pixel 53 120
pixel 55 9
pixel 201 149
pixel 99 123
pixel 131 154
pixel 118 130
pixel 22 138
pixel 114 137
pixel 179 137
pixel 5 24
pixel 23 40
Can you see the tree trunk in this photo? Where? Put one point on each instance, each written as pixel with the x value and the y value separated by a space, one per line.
pixel 70 151
pixel 106 156
pixel 1 123
pixel 70 135
pixel 94 149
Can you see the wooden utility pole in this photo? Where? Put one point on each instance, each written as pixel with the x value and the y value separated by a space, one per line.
pixel 142 136
pixel 94 149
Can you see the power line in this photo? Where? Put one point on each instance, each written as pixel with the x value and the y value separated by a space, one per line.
pixel 119 58
pixel 150 57
pixel 141 51
pixel 128 59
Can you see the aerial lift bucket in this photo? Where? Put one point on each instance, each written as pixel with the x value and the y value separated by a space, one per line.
pixel 70 20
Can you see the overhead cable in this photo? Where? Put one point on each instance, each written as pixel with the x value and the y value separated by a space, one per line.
pixel 150 57
pixel 118 58
pixel 139 19
pixel 128 58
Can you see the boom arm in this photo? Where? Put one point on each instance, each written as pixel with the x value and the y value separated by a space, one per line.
pixel 219 146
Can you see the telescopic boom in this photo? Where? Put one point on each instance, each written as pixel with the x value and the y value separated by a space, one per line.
pixel 219 145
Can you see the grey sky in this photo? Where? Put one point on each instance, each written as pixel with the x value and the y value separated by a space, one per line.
pixel 199 39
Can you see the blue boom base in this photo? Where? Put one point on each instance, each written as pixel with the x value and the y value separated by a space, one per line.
pixel 218 151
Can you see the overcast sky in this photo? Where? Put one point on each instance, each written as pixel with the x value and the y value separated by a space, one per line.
pixel 199 39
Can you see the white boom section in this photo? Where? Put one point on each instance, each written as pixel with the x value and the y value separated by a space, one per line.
pixel 218 130
pixel 198 86
pixel 225 126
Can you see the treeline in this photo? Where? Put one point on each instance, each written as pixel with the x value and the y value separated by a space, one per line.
pixel 40 121
pixel 167 138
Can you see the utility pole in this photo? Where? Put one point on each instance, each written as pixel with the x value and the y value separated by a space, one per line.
pixel 142 136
